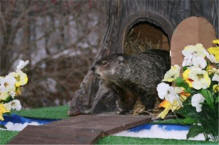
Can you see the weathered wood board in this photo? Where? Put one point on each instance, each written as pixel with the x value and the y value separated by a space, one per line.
pixel 82 129
pixel 56 135
pixel 109 124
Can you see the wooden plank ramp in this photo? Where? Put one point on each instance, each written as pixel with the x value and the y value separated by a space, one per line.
pixel 82 129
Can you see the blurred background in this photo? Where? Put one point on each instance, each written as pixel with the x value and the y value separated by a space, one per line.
pixel 60 38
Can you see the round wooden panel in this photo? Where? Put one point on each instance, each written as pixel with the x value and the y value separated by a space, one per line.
pixel 190 31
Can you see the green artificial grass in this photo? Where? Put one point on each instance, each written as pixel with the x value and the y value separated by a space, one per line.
pixel 133 140
pixel 59 112
pixel 6 136
pixel 174 121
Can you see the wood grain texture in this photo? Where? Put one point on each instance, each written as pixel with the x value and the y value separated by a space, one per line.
pixel 82 129
pixel 166 14
pixel 56 135
pixel 109 124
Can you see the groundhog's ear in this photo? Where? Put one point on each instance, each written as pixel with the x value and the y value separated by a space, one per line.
pixel 121 59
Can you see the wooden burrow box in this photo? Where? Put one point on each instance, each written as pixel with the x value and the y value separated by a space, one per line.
pixel 136 25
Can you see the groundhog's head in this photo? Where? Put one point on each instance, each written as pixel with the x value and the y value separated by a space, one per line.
pixel 108 68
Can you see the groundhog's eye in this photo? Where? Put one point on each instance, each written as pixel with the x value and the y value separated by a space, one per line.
pixel 104 62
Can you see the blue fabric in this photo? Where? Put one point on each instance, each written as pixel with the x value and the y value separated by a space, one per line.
pixel 19 119
pixel 163 126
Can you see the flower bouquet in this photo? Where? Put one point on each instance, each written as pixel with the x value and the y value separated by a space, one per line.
pixel 193 90
pixel 10 88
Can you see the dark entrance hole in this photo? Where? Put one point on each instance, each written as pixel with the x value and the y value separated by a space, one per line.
pixel 143 36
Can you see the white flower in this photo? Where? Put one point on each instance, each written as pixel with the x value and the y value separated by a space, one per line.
pixel 199 62
pixel 8 83
pixel 194 50
pixel 162 89
pixel 12 93
pixel 20 77
pixel 197 78
pixel 22 64
pixel 172 74
pixel 172 96
pixel 7 106
pixel 197 101
pixel 187 61
pixel 3 94
pixel 216 77
pixel 13 105
pixel 179 90
pixel 167 92
pixel 211 57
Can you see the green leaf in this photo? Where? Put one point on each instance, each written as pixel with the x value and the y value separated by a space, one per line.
pixel 188 120
pixel 194 131
pixel 184 121
pixel 6 100
pixel 208 97
pixel 179 81
pixel 185 68
pixel 205 92
pixel 188 111
pixel 217 99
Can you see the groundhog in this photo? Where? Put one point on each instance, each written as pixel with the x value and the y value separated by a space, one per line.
pixel 134 78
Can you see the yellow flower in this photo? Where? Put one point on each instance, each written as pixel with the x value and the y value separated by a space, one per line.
pixel 183 95
pixel 209 69
pixel 164 113
pixel 7 106
pixel 197 78
pixel 186 77
pixel 176 105
pixel 216 88
pixel 216 41
pixel 168 106
pixel 172 74
pixel 21 78
pixel 18 91
pixel 3 94
pixel 215 52
pixel 2 111
pixel 165 104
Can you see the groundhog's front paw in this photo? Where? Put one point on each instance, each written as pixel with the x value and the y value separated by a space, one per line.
pixel 139 111
pixel 139 108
